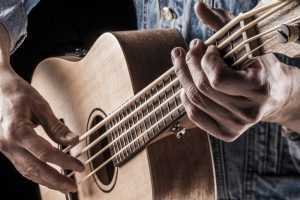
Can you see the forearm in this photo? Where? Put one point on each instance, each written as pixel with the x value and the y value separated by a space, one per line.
pixel 4 48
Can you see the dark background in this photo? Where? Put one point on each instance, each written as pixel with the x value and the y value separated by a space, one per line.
pixel 59 27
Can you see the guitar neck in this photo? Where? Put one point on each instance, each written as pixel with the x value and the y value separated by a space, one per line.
pixel 155 108
pixel 145 116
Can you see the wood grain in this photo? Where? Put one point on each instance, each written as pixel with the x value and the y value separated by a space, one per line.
pixel 118 66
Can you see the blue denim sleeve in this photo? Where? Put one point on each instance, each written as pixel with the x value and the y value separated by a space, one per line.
pixel 13 16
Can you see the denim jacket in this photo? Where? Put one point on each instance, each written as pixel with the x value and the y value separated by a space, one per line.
pixel 262 163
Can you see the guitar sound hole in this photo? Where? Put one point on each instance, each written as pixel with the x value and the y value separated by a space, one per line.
pixel 105 177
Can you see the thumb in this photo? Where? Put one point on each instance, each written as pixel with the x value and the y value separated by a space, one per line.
pixel 56 129
pixel 214 18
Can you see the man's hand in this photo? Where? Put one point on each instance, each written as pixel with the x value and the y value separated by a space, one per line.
pixel 225 102
pixel 22 108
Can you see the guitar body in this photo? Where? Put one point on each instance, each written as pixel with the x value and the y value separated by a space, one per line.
pixel 117 67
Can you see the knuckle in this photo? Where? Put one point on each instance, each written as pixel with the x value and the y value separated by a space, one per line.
pixel 191 57
pixel 216 79
pixel 192 113
pixel 201 84
pixel 178 70
pixel 59 129
pixel 210 57
pixel 193 95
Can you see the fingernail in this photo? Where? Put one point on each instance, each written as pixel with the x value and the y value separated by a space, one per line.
pixel 176 53
pixel 194 43
pixel 72 137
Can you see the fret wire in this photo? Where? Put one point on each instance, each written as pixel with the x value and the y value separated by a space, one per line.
pixel 130 136
pixel 175 101
pixel 96 127
pixel 231 47
pixel 175 96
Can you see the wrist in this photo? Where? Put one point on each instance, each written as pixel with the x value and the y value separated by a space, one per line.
pixel 289 113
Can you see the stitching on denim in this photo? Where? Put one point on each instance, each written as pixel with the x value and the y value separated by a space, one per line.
pixel 280 150
pixel 145 14
pixel 225 179
pixel 249 180
pixel 267 146
pixel 218 170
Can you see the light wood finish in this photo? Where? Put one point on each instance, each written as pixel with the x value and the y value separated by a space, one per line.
pixel 118 66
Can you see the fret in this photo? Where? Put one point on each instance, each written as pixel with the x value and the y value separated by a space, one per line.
pixel 116 145
pixel 130 139
pixel 118 118
pixel 137 131
pixel 135 134
pixel 234 58
pixel 146 137
pixel 127 152
pixel 145 129
pixel 121 139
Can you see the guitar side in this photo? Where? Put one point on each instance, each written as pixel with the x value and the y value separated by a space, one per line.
pixel 117 67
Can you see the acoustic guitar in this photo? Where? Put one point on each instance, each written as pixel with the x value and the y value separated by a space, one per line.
pixel 123 97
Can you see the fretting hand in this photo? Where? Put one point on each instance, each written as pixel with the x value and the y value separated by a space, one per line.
pixel 225 102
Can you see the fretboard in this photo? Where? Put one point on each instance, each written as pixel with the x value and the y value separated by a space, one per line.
pixel 157 107
pixel 142 120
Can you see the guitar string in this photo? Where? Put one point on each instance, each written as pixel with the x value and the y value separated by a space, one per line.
pixel 256 49
pixel 120 151
pixel 141 120
pixel 244 57
pixel 180 106
pixel 139 109
pixel 102 123
pixel 128 131
pixel 144 132
pixel 243 16
pixel 125 147
pixel 238 33
pixel 105 134
pixel 131 128
pixel 128 102
pixel 268 32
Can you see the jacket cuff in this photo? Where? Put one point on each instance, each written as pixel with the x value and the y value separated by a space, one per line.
pixel 14 19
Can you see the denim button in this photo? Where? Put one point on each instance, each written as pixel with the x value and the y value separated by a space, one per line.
pixel 168 14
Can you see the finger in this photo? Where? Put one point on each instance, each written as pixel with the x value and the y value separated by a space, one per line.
pixel 214 19
pixel 181 69
pixel 225 79
pixel 214 110
pixel 39 172
pixel 44 151
pixel 206 123
pixel 55 129
pixel 236 104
